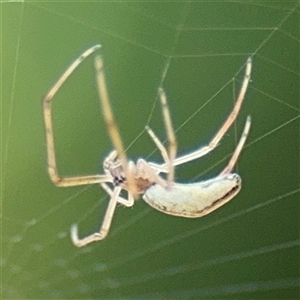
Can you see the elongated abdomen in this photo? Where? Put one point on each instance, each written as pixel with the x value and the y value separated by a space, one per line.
pixel 193 200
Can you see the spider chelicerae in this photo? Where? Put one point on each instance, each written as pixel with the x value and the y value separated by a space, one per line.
pixel 189 200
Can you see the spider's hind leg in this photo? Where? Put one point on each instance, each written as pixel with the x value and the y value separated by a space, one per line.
pixel 238 148
pixel 170 135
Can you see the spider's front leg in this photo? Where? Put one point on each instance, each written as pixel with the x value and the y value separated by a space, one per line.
pixel 51 157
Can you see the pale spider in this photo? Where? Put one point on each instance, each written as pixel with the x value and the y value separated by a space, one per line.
pixel 189 200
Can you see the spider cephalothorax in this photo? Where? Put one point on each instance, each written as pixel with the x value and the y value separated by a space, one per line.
pixel 141 173
pixel 113 167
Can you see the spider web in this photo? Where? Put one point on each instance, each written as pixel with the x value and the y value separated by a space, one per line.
pixel 197 51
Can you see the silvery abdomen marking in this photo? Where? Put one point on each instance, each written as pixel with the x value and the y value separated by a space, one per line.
pixel 194 199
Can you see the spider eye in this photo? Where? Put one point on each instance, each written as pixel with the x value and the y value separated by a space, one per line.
pixel 119 180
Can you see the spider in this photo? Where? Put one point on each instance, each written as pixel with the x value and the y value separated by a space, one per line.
pixel 189 200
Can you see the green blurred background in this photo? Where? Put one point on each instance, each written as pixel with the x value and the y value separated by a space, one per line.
pixel 248 249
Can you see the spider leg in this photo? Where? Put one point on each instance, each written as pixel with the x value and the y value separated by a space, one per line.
pixel 228 122
pixel 111 124
pixel 151 172
pixel 51 158
pixel 170 134
pixel 158 144
pixel 238 148
pixel 126 202
pixel 168 157
pixel 104 229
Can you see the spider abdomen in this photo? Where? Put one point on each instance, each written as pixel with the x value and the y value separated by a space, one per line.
pixel 195 199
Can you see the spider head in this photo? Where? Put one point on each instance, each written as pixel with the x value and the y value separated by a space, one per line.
pixel 113 167
pixel 140 181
